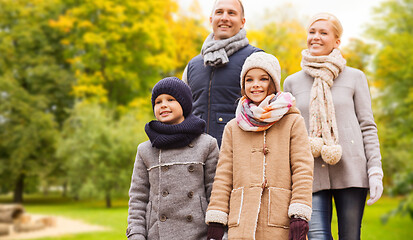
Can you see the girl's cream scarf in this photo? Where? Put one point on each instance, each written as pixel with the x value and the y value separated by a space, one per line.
pixel 323 125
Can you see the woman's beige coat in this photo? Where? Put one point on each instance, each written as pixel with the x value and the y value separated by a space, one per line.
pixel 238 198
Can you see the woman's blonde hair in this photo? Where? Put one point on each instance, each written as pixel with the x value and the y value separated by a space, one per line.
pixel 338 28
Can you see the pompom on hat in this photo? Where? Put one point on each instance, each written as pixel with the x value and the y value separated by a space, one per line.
pixel 265 61
pixel 176 88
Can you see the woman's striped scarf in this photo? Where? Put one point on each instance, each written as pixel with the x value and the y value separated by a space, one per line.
pixel 251 117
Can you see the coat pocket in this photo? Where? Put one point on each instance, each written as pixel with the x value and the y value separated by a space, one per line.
pixel 235 207
pixel 279 202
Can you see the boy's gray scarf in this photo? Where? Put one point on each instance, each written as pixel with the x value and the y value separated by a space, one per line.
pixel 216 52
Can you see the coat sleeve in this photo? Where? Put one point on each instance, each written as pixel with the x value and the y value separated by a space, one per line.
pixel 210 166
pixel 138 200
pixel 362 105
pixel 286 85
pixel 218 207
pixel 302 166
pixel 185 75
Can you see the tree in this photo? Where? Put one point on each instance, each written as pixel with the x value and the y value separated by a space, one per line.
pixel 99 149
pixel 358 54
pixel 393 68
pixel 282 36
pixel 189 34
pixel 118 49
pixel 35 83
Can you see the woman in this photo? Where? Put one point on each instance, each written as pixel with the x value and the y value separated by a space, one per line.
pixel 335 101
pixel 262 186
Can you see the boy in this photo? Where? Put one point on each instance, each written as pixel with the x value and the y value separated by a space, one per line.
pixel 174 171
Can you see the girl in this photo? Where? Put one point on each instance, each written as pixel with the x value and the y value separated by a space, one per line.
pixel 173 172
pixel 262 188
pixel 335 102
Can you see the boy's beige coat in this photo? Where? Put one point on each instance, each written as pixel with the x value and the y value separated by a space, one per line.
pixel 238 199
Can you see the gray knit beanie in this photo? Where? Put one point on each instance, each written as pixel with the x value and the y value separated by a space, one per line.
pixel 265 61
pixel 176 88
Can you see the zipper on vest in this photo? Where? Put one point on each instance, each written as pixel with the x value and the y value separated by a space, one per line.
pixel 209 98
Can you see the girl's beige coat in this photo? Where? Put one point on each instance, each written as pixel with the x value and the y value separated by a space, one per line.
pixel 238 196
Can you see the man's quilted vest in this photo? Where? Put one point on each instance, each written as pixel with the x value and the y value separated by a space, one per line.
pixel 216 90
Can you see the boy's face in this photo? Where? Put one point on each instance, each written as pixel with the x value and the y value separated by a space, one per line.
pixel 168 110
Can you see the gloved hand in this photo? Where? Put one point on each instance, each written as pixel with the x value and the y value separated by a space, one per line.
pixel 215 231
pixel 298 229
pixel 376 188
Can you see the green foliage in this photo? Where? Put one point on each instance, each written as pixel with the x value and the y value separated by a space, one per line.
pixel 393 67
pixel 285 40
pixel 118 49
pixel 27 133
pixel 99 150
pixel 358 54
pixel 35 84
pixel 403 185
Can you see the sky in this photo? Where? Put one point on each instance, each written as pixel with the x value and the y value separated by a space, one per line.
pixel 353 14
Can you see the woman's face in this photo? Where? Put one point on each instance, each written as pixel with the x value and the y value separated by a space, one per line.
pixel 257 85
pixel 321 39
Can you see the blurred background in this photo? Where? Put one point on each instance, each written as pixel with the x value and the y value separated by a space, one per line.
pixel 76 78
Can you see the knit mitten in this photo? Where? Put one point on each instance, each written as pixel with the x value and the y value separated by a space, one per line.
pixel 215 231
pixel 298 229
pixel 376 186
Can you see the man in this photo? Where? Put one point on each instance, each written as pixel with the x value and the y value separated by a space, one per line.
pixel 214 75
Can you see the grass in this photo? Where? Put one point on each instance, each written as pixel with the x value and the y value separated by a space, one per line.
pixel 94 212
pixel 372 228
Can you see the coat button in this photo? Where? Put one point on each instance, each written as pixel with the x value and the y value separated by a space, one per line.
pixel 323 165
pixel 189 218
pixel 220 119
pixel 165 193
pixel 190 194
pixel 162 218
pixel 165 168
pixel 191 168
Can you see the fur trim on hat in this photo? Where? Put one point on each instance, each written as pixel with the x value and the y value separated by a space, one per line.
pixel 266 62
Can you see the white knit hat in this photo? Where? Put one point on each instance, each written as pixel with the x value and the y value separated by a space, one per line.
pixel 265 61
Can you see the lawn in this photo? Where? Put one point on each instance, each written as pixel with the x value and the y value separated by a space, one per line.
pixel 94 212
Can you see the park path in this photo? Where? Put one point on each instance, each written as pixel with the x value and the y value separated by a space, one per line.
pixel 63 226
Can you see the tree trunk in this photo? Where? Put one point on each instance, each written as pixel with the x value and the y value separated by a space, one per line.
pixel 18 190
pixel 108 200
pixel 64 192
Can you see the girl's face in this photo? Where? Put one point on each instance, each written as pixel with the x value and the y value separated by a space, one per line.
pixel 168 110
pixel 258 85
pixel 321 39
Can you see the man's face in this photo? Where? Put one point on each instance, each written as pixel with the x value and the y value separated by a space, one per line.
pixel 226 19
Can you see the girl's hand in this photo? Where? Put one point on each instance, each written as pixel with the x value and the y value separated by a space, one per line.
pixel 215 231
pixel 298 229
